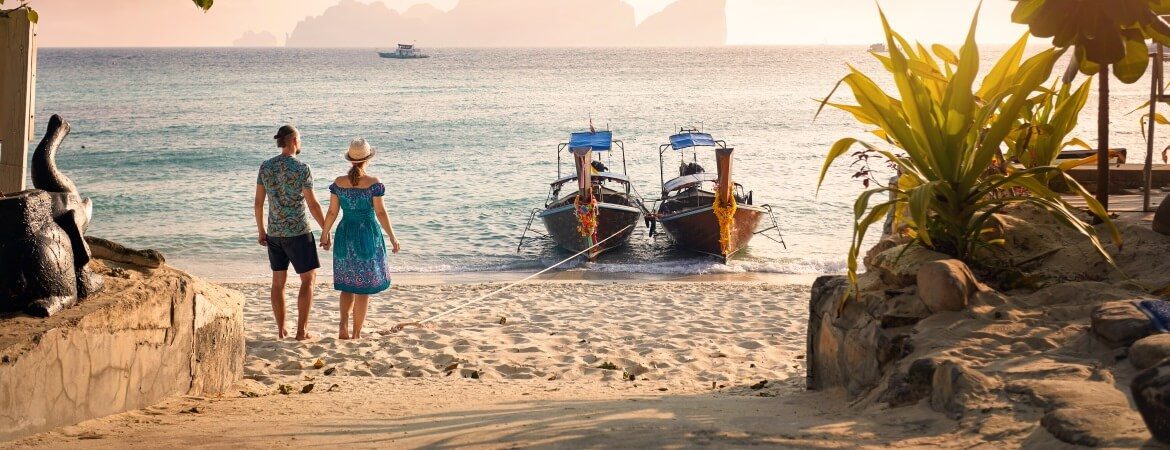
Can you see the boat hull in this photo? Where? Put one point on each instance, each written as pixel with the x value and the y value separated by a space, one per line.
pixel 562 225
pixel 397 56
pixel 697 229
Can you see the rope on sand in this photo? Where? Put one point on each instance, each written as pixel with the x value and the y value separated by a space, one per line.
pixel 422 323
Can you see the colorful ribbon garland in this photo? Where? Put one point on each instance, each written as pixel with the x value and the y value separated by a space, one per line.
pixel 725 213
pixel 587 220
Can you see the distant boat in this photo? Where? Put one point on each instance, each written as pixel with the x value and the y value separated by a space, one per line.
pixel 404 51
pixel 878 48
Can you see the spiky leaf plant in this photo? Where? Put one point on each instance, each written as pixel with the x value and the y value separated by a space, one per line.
pixel 949 138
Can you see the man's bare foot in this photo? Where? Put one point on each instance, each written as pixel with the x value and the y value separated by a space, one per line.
pixel 304 336
pixel 281 334
pixel 343 334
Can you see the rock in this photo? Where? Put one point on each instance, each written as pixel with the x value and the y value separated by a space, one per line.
pixel 885 244
pixel 1162 217
pixel 912 387
pixel 1151 393
pixel 1095 426
pixel 1120 323
pixel 898 266
pixel 946 285
pixel 1056 394
pixel 113 251
pixel 820 347
pixel 901 310
pixel 1150 350
pixel 956 388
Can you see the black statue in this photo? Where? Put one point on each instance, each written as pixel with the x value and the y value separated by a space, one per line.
pixel 43 253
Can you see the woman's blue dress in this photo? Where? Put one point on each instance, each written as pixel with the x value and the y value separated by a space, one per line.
pixel 359 250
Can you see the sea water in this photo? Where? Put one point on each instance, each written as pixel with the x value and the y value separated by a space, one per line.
pixel 167 143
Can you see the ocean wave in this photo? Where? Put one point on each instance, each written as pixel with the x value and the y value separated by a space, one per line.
pixel 703 266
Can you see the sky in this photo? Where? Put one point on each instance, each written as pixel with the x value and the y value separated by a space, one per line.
pixel 169 23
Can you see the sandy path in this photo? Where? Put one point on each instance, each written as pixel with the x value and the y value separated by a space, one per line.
pixel 437 413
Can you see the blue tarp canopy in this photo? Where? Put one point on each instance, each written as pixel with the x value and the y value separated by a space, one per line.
pixel 599 141
pixel 688 140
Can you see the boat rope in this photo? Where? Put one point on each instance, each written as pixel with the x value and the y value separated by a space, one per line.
pixel 481 298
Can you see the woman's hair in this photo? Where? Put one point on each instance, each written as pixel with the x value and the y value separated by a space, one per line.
pixel 356 172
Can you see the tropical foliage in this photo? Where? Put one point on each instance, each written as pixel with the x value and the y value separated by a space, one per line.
pixel 949 138
pixel 1100 31
pixel 1044 125
pixel 34 17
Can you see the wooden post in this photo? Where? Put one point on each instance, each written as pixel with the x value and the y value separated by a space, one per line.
pixel 1103 138
pixel 1155 97
pixel 18 68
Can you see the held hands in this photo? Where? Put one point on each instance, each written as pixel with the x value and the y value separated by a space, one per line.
pixel 326 241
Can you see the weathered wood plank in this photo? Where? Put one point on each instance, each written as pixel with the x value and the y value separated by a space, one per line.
pixel 17 91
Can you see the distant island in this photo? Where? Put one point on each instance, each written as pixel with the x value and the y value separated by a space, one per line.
pixel 256 39
pixel 481 23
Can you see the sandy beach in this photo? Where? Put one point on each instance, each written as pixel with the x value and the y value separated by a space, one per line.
pixel 557 363
pixel 682 336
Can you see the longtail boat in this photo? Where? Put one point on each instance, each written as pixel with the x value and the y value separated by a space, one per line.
pixel 603 208
pixel 707 212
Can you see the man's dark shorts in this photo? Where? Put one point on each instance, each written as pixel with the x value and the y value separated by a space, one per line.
pixel 301 251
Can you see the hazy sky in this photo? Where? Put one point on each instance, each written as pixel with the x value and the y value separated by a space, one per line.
pixel 750 22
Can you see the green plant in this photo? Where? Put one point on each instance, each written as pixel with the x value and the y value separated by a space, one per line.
pixel 1045 122
pixel 34 17
pixel 954 177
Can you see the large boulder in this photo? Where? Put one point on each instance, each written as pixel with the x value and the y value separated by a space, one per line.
pixel 946 285
pixel 1082 412
pixel 1149 351
pixel 852 340
pixel 1120 323
pixel 1162 217
pixel 1151 393
pixel 1109 426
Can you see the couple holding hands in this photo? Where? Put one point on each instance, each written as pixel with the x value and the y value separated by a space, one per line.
pixel 359 249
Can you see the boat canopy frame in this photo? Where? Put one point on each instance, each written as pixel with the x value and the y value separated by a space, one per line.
pixel 692 144
pixel 620 145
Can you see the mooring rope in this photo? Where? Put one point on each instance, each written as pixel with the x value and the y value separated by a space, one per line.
pixel 448 312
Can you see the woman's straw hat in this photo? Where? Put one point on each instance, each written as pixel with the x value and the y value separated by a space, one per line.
pixel 359 151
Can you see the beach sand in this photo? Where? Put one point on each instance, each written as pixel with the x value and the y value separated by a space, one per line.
pixel 555 363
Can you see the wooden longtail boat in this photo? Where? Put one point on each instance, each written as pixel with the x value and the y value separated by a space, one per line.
pixel 706 212
pixel 603 207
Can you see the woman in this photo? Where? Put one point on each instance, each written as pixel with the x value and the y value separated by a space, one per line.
pixel 359 256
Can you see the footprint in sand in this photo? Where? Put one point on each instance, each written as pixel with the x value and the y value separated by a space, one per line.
pixel 750 345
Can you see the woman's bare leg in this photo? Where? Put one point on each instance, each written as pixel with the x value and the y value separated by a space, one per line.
pixel 346 307
pixel 361 304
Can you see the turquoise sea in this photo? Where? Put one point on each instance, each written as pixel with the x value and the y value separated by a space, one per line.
pixel 167 143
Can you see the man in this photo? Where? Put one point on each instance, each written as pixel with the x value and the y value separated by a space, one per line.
pixel 288 185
